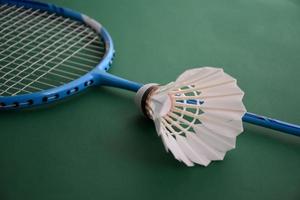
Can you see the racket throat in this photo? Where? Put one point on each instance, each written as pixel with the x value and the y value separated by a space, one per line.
pixel 107 79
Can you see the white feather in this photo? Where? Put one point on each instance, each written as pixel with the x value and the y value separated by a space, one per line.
pixel 199 115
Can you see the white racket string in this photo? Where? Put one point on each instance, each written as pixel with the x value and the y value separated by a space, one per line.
pixel 24 84
pixel 31 35
pixel 18 19
pixel 13 22
pixel 10 14
pixel 49 70
pixel 52 62
pixel 13 29
pixel 39 59
pixel 43 57
pixel 39 50
pixel 81 55
pixel 44 82
pixel 3 6
pixel 27 53
pixel 29 26
pixel 41 82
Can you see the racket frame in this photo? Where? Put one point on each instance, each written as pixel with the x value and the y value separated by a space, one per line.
pixel 91 78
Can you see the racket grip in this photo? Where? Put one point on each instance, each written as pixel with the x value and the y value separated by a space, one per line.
pixel 272 124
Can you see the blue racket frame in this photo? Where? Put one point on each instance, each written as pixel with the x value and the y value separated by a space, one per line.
pixel 99 75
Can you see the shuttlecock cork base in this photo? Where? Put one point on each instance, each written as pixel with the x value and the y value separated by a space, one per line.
pixel 142 96
pixel 198 117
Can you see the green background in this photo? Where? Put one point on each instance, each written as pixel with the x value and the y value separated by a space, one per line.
pixel 97 146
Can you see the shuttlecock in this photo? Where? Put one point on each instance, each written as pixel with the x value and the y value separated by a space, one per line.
pixel 198 117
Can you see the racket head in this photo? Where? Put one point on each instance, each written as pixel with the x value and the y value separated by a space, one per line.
pixel 18 100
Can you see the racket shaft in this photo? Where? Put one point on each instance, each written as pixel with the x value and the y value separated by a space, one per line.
pixel 272 124
pixel 107 79
pixel 115 81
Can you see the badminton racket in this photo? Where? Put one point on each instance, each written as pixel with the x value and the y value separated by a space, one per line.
pixel 48 53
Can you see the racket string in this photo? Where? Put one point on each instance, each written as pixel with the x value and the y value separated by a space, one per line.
pixel 93 48
pixel 31 49
pixel 56 57
pixel 28 27
pixel 3 6
pixel 32 24
pixel 42 70
pixel 15 38
pixel 40 82
pixel 39 68
pixel 83 57
pixel 39 50
pixel 13 30
pixel 12 20
pixel 53 62
pixel 50 69
pixel 11 14
pixel 22 85
pixel 70 66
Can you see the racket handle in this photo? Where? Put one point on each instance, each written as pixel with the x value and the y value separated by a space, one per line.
pixel 272 123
